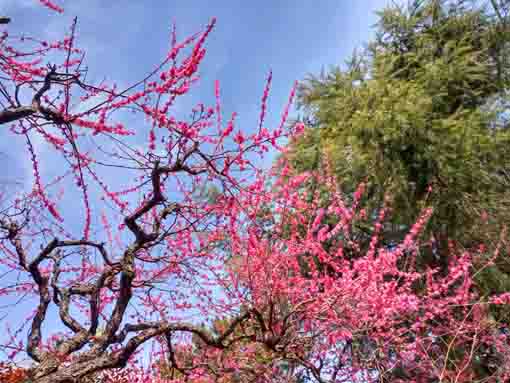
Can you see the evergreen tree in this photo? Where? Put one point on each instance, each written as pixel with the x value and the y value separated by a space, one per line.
pixel 421 116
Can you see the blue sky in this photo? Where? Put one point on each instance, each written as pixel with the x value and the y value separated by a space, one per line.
pixel 124 39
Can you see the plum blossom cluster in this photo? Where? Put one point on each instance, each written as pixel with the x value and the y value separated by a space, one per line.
pixel 51 5
pixel 348 313
pixel 135 259
pixel 183 261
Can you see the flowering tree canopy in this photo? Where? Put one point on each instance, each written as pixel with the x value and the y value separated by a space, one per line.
pixel 160 244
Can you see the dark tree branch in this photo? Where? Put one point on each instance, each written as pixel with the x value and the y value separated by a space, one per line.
pixel 19 112
pixel 98 357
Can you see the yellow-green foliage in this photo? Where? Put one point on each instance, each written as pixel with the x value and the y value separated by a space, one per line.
pixel 426 105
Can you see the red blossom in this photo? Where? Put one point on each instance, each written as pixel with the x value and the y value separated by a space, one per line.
pixel 51 5
pixel 158 241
